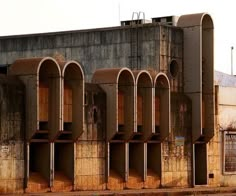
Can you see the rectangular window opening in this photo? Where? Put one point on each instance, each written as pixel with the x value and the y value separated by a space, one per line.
pixel 230 152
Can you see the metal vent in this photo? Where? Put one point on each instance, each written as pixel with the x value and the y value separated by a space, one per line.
pixel 167 20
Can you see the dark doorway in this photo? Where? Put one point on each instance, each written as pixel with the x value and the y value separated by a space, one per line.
pixel 200 164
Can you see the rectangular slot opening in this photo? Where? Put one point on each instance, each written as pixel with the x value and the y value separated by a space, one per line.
pixel 203 116
pixel 121 115
pixel 139 113
pixel 43 106
pixel 136 165
pixel 67 108
pixel 39 167
pixel 200 164
pixel 157 114
pixel 153 165
pixel 64 166
pixel 126 110
pixel 116 165
pixel 144 108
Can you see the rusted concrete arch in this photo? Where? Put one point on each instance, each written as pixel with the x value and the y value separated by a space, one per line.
pixel 199 72
pixel 144 103
pixel 32 71
pixel 161 80
pixel 161 93
pixel 31 66
pixel 73 99
pixel 118 83
pixel 197 19
pixel 111 75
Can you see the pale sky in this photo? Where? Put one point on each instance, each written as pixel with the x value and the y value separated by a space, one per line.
pixel 38 16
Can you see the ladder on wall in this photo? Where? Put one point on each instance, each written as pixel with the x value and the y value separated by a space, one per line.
pixel 135 43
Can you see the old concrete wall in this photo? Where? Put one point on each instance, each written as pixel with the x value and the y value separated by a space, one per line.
pixel 214 161
pixel 90 160
pixel 11 135
pixel 149 46
pixel 177 150
pixel 225 117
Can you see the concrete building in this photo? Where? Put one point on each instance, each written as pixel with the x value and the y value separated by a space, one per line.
pixel 114 108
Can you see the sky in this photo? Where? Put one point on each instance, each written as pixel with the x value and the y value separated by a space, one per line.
pixel 39 16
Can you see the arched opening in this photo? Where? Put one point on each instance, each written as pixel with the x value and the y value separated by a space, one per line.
pixel 72 127
pixel 162 105
pixel 144 100
pixel 48 92
pixel 125 103
pixel 73 101
pixel 143 127
pixel 161 129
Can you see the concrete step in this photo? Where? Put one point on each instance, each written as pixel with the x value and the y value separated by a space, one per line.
pixel 37 183
pixel 61 183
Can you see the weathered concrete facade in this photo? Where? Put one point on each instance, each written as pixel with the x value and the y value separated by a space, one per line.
pixel 124 107
pixel 12 135
pixel 141 47
pixel 225 116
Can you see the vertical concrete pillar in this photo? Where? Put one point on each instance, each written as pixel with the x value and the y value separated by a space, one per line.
pixel 118 83
pixel 91 151
pixel 199 71
pixel 12 127
pixel 160 131
pixel 144 105
pixel 72 124
pixel 143 129
pixel 199 83
pixel 42 79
